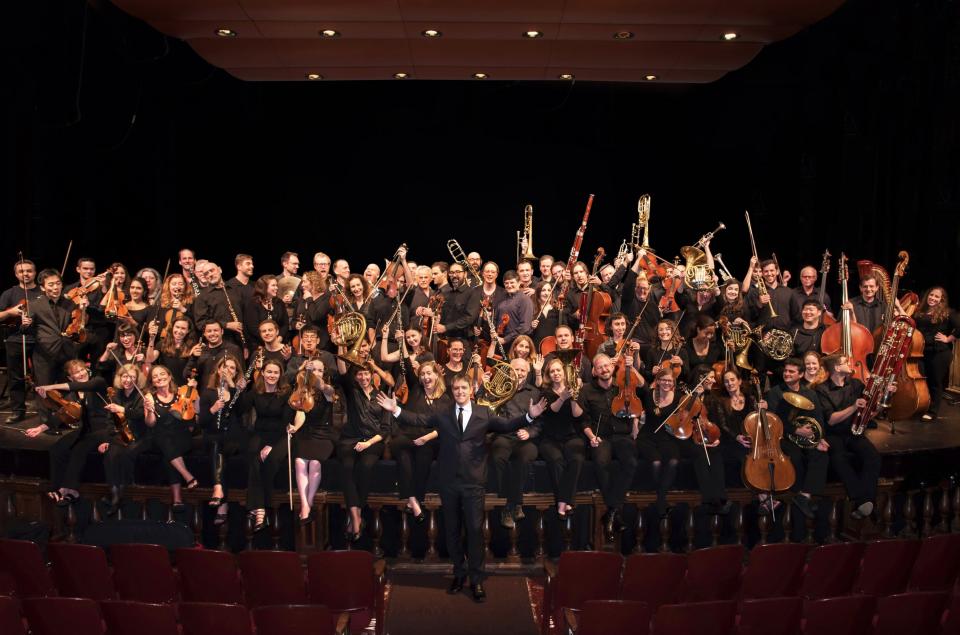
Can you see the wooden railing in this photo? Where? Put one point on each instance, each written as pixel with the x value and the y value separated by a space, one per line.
pixel 915 513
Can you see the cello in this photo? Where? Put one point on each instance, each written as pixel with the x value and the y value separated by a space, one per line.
pixel 594 311
pixel 851 339
pixel 766 468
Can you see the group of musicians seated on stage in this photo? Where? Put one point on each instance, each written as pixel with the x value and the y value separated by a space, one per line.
pixel 246 361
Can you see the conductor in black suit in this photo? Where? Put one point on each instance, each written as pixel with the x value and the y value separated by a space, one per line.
pixel 462 472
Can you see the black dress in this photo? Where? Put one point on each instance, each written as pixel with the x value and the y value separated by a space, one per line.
pixel 317 437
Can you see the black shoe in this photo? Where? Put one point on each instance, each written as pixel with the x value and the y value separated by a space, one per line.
pixel 725 508
pixel 309 519
pixel 456 585
pixel 518 514
pixel 16 417
pixel 355 536
pixel 614 522
pixel 804 504
pixel 479 595
pixel 422 518
pixel 113 504
pixel 506 518
pixel 260 520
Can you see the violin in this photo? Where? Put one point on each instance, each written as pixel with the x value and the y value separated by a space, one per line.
pixel 184 406
pixel 671 284
pixel 14 320
pixel 680 423
pixel 69 413
pixel 626 403
pixel 301 398
pixel 766 468
pixel 120 420
pixel 705 429
pixel 76 330
pixel 113 302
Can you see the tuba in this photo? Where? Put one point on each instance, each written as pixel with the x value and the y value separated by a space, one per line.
pixel 500 388
pixel 525 238
pixel 698 275
pixel 352 328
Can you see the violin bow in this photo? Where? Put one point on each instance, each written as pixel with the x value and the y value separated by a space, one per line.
pixel 119 364
pixel 681 404
pixel 156 314
pixel 66 258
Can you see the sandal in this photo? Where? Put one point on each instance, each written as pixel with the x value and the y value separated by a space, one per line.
pixel 260 521
pixel 55 496
pixel 191 483
pixel 67 499
pixel 215 501
pixel 766 508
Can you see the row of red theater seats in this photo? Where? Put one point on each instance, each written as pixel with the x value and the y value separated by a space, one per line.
pixel 878 568
pixel 83 616
pixel 341 580
pixel 915 613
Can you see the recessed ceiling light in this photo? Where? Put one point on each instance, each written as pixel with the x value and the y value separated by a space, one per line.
pixel 329 33
pixel 565 76
pixel 226 33
pixel 623 35
pixel 480 75
pixel 431 33
pixel 400 76
pixel 314 76
pixel 650 78
pixel 532 34
pixel 730 35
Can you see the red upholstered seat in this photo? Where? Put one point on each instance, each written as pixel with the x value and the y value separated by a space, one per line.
pixel 139 618
pixel 848 615
pixel 142 573
pixel 272 577
pixel 312 619
pixel 770 616
pixel 62 616
pixel 347 581
pixel 206 618
pixel 702 618
pixel 714 573
pixel 885 567
pixel 81 571
pixel 208 576
pixel 774 570
pixel 831 570
pixel 22 560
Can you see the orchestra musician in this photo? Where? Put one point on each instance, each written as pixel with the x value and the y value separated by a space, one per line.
pixel 517 306
pixel 868 307
pixel 562 443
pixel 217 302
pixel 808 289
pixel 50 315
pixel 315 440
pixel 19 342
pixel 264 305
pixel 940 326
pixel 176 347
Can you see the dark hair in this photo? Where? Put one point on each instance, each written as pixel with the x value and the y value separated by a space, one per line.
pixel 768 262
pixel 203 326
pixel 510 275
pixel 830 362
pixel 287 255
pixel 48 273
pixel 23 262
pixel 794 361
pixel 260 287
pixel 441 265
pixel 702 322
pixel 812 302
pixel 240 258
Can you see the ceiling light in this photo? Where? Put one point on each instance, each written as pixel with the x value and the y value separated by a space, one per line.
pixel 730 36
pixel 623 35
pixel 329 33
pixel 400 76
pixel 532 34
pixel 226 33
pixel 431 33
pixel 480 76
pixel 650 78
pixel 565 76
pixel 314 76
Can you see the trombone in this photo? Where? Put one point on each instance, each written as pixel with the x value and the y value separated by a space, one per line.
pixel 459 257
pixel 525 238
pixel 762 288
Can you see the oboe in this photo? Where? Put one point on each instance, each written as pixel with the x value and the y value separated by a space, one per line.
pixel 233 314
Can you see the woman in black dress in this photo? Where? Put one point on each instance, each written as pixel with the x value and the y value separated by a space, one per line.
pixel 940 326
pixel 562 444
pixel 314 435
pixel 655 443
pixel 264 305
pixel 702 349
pixel 137 304
pixel 175 347
pixel 268 448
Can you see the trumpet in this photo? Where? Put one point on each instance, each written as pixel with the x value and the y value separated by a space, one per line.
pixel 525 238
pixel 459 257
pixel 698 275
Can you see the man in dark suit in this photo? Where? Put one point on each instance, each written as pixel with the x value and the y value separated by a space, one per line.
pixel 462 472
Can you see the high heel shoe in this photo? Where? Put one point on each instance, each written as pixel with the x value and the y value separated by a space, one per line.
pixel 260 519
pixel 355 536
pixel 304 521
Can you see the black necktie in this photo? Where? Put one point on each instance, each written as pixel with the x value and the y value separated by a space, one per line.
pixel 460 418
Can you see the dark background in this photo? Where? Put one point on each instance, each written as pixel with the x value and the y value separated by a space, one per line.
pixel 843 137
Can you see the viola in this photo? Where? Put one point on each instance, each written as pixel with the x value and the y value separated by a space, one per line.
pixel 652 266
pixel 76 330
pixel 766 468
pixel 435 304
pixel 184 406
pixel 626 403
pixel 120 420
pixel 69 413
pixel 853 340
pixel 705 429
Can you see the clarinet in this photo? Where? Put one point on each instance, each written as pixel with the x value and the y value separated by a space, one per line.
pixel 257 362
pixel 193 282
pixel 233 314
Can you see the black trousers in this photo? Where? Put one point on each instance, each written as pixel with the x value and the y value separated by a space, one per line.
pixel 69 454
pixel 221 445
pixel 511 463
pixel 564 462
pixel 936 366
pixel 16 386
pixel 48 370
pixel 711 476
pixel 170 441
pixel 615 478
pixel 413 462
pixel 861 487
pixel 463 507
pixel 262 474
pixel 811 467
pixel 357 470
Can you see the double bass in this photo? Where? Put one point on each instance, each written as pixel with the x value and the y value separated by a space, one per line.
pixel 851 339
pixel 827 320
pixel 766 468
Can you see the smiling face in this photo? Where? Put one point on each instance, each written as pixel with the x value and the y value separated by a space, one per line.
pixel 271 374
pixel 489 273
pixel 811 365
pixel 731 382
pixel 136 291
pixel 159 377
pixel 868 289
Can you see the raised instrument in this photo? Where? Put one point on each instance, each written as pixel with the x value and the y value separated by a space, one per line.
pixel 650 262
pixel 428 324
pixel 851 339
pixel 391 271
pixel 574 254
pixel 800 403
pixel 761 287
pixel 525 237
pixel 233 313
pixel 766 468
pixel 570 358
pixel 500 388
pixel 486 309
pixel 69 413
pixel 192 273
pixel 301 397
pixel 459 257
pixel 352 328
pixel 256 364
pixel 724 272
pixel 698 274
pixel 76 330
pixel 826 319
pixel 113 302
pixel 890 358
pixel 671 284
pixel 626 403
pixel 594 312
